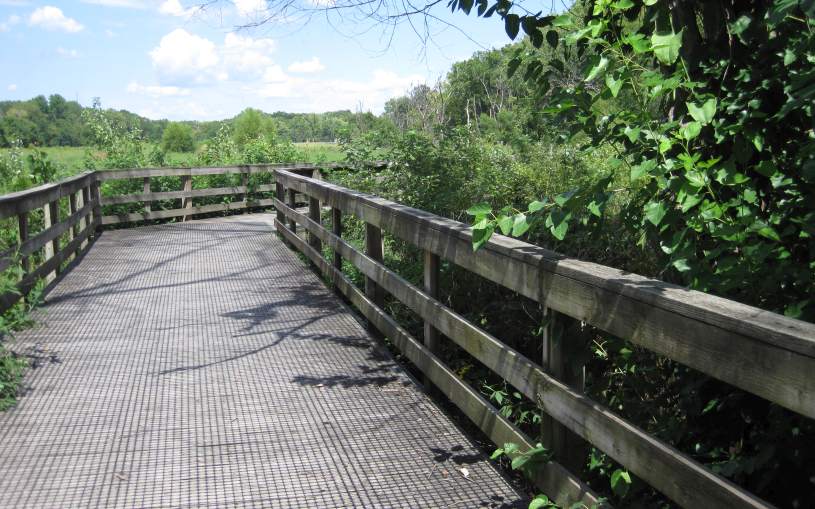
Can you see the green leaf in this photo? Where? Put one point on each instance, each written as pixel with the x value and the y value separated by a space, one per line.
pixel 497 454
pixel 666 46
pixel 740 25
pixel 690 130
pixel 594 208
pixel 520 226
pixel 563 21
pixel 638 43
pixel 622 4
pixel 539 502
pixel 479 209
pixel 480 237
pixel 599 66
pixel 710 406
pixel 642 169
pixel 505 224
pixel 654 212
pixel 703 114
pixel 559 231
pixel 536 206
pixel 614 85
pixel 512 23
pixel 564 198
pixel 620 482
pixel 681 265
pixel 632 133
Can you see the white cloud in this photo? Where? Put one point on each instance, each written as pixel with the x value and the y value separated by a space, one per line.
pixel 67 53
pixel 174 8
pixel 156 90
pixel 247 54
pixel 110 33
pixel 250 8
pixel 130 4
pixel 12 87
pixel 312 65
pixel 52 18
pixel 184 56
pixel 12 20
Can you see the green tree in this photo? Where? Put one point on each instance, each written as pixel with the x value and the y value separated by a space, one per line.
pixel 177 137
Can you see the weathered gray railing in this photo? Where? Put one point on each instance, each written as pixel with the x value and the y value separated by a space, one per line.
pixel 764 353
pixel 81 195
pixel 60 241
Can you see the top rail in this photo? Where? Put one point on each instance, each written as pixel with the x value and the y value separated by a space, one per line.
pixel 765 353
pixel 14 204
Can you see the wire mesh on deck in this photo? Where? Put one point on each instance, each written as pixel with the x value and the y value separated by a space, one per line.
pixel 201 364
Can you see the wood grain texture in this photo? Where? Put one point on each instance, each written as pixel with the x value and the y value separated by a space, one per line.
pixel 188 212
pixel 767 354
pixel 13 204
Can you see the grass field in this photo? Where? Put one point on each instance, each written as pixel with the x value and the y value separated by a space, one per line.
pixel 71 158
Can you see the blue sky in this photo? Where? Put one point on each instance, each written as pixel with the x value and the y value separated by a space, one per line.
pixel 165 59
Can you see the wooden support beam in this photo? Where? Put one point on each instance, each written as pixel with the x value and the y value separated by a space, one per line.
pixel 73 231
pixel 84 199
pixel 374 249
pixel 51 248
pixel 560 347
pixel 336 229
pixel 146 190
pixel 186 202
pixel 280 194
pixel 22 223
pixel 314 215
pixel 431 286
pixel 293 204
pixel 96 198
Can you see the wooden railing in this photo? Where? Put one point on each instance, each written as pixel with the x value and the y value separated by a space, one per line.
pixel 83 201
pixel 764 353
pixel 44 254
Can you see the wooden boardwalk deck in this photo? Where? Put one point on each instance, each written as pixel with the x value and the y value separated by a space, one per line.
pixel 201 365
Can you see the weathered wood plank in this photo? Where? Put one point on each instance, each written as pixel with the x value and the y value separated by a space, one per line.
pixel 174 195
pixel 662 466
pixel 336 229
pixel 374 249
pixel 431 287
pixel 201 209
pixel 145 190
pixel 553 479
pixel 14 204
pixel 22 229
pixel 764 353
pixel 315 215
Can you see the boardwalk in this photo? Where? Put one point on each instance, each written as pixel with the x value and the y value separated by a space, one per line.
pixel 200 365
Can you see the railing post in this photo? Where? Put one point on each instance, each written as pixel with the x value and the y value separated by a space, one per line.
pixel 50 217
pixel 86 198
pixel 96 196
pixel 373 248
pixel 336 229
pixel 568 448
pixel 146 190
pixel 292 205
pixel 314 214
pixel 280 194
pixel 244 197
pixel 74 230
pixel 187 200
pixel 431 286
pixel 22 222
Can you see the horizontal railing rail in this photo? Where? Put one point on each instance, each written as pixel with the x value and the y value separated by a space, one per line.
pixel 764 353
